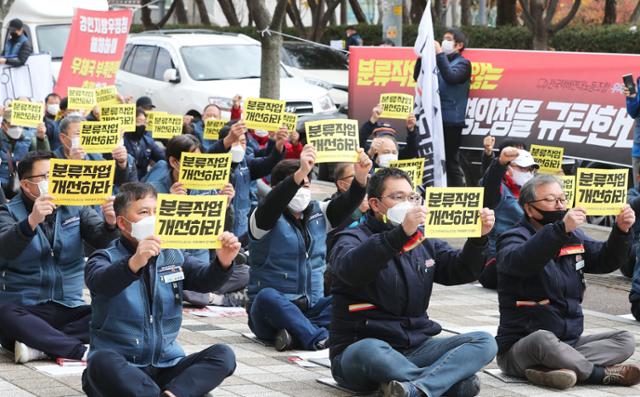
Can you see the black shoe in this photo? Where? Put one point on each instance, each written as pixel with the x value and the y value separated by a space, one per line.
pixel 465 388
pixel 283 341
pixel 321 344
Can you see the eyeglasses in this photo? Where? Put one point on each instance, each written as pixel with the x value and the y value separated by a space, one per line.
pixel 414 198
pixel 551 200
pixel 37 178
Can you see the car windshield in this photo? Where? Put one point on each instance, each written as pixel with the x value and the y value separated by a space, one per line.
pixel 223 62
pixel 304 56
pixel 52 39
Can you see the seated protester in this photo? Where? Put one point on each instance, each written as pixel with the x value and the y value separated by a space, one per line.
pixel 373 128
pixel 488 155
pixel 71 149
pixel 17 48
pixel 293 147
pixel 14 145
pixel 383 275
pixel 245 169
pixel 137 313
pixel 383 150
pixel 211 111
pixel 52 110
pixel 292 311
pixel 259 142
pixel 141 146
pixel 39 141
pixel 164 178
pixel 541 266
pixel 42 310
pixel 502 182
pixel 145 103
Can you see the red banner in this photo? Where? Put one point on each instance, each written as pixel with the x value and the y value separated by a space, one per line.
pixel 572 100
pixel 94 49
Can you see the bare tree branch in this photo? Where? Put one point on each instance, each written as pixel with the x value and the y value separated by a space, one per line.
pixel 278 15
pixel 331 6
pixel 551 10
pixel 294 15
pixel 528 19
pixel 635 15
pixel 565 21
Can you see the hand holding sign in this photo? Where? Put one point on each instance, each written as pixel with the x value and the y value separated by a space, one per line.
pixel 228 191
pixel 362 167
pixel 41 131
pixel 411 122
pixel 376 112
pixel 77 153
pixel 121 156
pixel 626 218
pixel 307 161
pixel 488 219
pixel 488 142
pixel 177 188
pixel 42 207
pixel 235 133
pixel 507 155
pixel 282 136
pixel 574 218
pixel 416 216
pixel 147 249
pixel 229 250
pixel 109 212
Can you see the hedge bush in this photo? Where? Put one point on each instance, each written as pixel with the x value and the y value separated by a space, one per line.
pixel 596 38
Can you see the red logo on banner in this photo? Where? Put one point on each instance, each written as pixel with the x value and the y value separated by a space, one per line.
pixel 94 49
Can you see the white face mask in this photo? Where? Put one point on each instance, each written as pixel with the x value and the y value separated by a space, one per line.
pixel 520 178
pixel 75 142
pixel 262 133
pixel 385 159
pixel 237 153
pixel 301 200
pixel 14 132
pixel 43 187
pixel 448 46
pixel 397 213
pixel 143 228
pixel 53 108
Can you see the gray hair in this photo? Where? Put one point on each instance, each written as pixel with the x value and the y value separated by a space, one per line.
pixel 528 191
pixel 65 122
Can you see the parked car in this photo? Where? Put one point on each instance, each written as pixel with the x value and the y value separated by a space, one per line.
pixel 183 70
pixel 319 65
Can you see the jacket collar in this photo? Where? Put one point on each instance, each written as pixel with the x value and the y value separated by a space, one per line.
pixel 376 225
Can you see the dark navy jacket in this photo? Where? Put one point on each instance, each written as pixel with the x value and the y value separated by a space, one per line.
pixel 454 81
pixel 381 293
pixel 143 149
pixel 541 278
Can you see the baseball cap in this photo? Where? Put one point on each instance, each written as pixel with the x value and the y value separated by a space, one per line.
pixel 525 159
pixel 144 102
pixel 15 24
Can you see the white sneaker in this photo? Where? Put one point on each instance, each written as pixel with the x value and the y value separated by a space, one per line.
pixel 24 354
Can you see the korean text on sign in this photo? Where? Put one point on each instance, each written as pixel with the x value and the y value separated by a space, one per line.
pixel 26 114
pixel 569 188
pixel 413 167
pixel 334 140
pixel 81 98
pixel 453 212
pixel 396 106
pixel 150 117
pixel 549 158
pixel 81 182
pixel 601 192
pixel 166 126
pixel 380 72
pixel 99 136
pixel 107 95
pixel 263 114
pixel 212 128
pixel 204 171
pixel 190 222
pixel 290 120
pixel 125 114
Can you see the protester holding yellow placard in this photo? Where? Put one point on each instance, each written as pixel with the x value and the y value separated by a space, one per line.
pixel 141 145
pixel 71 149
pixel 43 311
pixel 414 168
pixel 374 128
pixel 14 145
pixel 27 114
pixel 548 157
pixel 601 192
pixel 107 96
pixel 81 98
pixel 99 136
pixel 139 261
pixel 263 114
pixel 453 212
pixel 396 106
pixel 334 140
pixel 166 126
pixel 124 113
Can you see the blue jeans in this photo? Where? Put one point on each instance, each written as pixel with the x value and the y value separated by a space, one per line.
pixel 432 367
pixel 271 311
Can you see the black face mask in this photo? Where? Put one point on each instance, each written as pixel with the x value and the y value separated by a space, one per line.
pixel 140 130
pixel 549 216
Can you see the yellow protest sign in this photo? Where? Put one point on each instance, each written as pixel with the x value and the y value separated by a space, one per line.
pixel 290 120
pixel 396 106
pixel 124 113
pixel 212 128
pixel 26 114
pixel 81 98
pixel 549 158
pixel 601 192
pixel 453 212
pixel 99 136
pixel 81 182
pixel 569 188
pixel 263 114
pixel 413 167
pixel 107 95
pixel 190 222
pixel 166 126
pixel 204 171
pixel 150 117
pixel 335 140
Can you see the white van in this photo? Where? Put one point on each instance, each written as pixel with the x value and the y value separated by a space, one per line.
pixel 48 23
